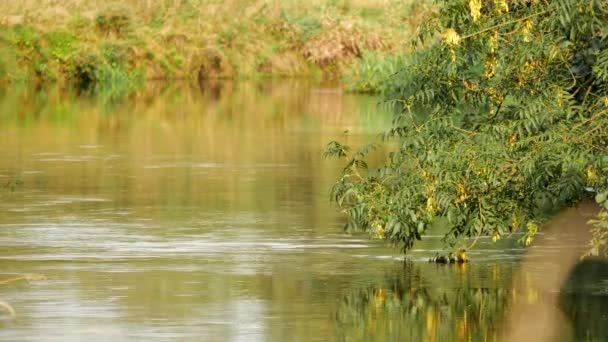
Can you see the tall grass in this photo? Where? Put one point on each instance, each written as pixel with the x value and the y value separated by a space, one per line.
pixel 371 74
pixel 91 41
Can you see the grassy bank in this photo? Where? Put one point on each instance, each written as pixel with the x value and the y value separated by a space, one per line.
pixel 127 42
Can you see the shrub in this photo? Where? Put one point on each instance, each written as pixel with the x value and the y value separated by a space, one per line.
pixel 62 44
pixel 114 20
pixel 22 36
pixel 85 70
pixel 372 72
pixel 115 53
pixel 307 26
pixel 499 124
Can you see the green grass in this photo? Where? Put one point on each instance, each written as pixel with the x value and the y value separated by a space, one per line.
pixel 62 45
pixel 372 73
pixel 81 41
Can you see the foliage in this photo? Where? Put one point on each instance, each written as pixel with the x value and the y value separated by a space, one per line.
pixel 599 243
pixel 170 39
pixel 411 305
pixel 370 74
pixel 582 299
pixel 115 20
pixel 499 123
pixel 306 25
pixel 8 64
pixel 15 42
pixel 11 185
pixel 109 72
pixel 85 72
pixel 22 36
pixel 62 44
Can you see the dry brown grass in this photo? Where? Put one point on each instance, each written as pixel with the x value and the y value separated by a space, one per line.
pixel 342 41
pixel 232 38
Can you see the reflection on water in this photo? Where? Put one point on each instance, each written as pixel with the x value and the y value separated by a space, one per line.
pixel 584 299
pixel 414 304
pixel 181 214
pixel 546 294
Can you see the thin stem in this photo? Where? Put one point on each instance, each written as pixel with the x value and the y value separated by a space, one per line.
pixel 504 24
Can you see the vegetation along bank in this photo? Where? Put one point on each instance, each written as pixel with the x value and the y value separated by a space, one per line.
pixel 126 42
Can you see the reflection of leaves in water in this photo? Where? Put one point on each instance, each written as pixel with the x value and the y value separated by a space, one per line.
pixel 584 299
pixel 405 307
pixel 424 302
pixel 12 184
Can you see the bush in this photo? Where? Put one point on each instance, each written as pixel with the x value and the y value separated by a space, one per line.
pixel 372 72
pixel 114 20
pixel 498 125
pixel 22 36
pixel 85 70
pixel 115 53
pixel 305 25
pixel 62 44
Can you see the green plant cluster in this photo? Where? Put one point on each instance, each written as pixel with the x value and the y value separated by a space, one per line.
pixel 116 21
pixel 195 38
pixel 370 74
pixel 28 54
pixel 501 119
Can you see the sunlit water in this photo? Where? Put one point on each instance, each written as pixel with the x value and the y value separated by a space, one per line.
pixel 203 215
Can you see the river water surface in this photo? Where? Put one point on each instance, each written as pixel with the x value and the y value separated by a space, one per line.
pixel 203 215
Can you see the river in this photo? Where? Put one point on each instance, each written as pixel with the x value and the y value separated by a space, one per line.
pixel 203 214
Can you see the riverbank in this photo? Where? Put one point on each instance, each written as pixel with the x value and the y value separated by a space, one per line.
pixel 86 43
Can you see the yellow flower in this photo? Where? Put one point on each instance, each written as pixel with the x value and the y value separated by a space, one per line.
pixel 492 42
pixel 532 229
pixel 468 85
pixel 526 27
pixel 490 66
pixel 431 205
pixel 475 7
pixel 519 80
pixel 515 222
pixel 528 67
pixel 560 97
pixel 592 176
pixel 451 37
pixel 426 175
pixel 501 6
pixel 495 236
pixel 495 94
pixel 462 192
pixel 377 230
pixel 461 256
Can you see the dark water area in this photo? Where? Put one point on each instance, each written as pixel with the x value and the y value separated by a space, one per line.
pixel 193 214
